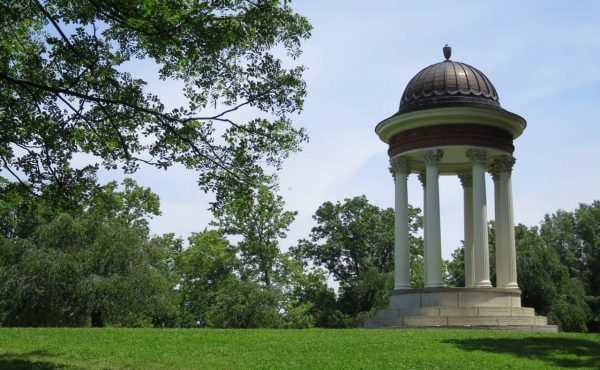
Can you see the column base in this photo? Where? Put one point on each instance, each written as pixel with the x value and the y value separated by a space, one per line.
pixel 464 308
pixel 434 285
pixel 511 286
pixel 484 284
pixel 455 297
pixel 402 286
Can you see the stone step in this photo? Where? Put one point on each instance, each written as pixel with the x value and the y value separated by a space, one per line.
pixel 434 321
pixel 456 311
pixel 532 328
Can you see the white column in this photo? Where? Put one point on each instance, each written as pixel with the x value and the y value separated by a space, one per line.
pixel 400 170
pixel 480 231
pixel 424 184
pixel 499 223
pixel 506 250
pixel 433 247
pixel 466 181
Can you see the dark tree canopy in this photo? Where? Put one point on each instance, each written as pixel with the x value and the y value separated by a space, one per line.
pixel 543 266
pixel 70 83
pixel 259 218
pixel 353 241
pixel 22 212
pixel 575 236
pixel 353 236
pixel 73 272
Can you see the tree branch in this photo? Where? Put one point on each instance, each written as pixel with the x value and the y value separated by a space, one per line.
pixel 7 167
pixel 96 99
pixel 113 14
pixel 55 24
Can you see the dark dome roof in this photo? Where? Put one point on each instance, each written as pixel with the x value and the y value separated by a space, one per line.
pixel 448 84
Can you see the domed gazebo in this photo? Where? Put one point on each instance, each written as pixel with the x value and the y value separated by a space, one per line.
pixel 450 122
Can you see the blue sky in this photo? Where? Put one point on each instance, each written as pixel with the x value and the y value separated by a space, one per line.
pixel 543 58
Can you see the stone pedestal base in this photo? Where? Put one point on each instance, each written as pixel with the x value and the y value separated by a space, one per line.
pixel 468 308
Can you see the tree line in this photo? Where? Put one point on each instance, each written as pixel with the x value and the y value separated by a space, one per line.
pixel 94 263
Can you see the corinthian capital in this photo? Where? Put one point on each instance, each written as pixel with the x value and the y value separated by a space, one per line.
pixel 422 179
pixel 399 165
pixel 432 156
pixel 504 163
pixel 477 155
pixel 495 174
pixel 466 180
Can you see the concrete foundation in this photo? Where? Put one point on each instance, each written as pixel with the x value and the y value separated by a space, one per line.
pixel 475 308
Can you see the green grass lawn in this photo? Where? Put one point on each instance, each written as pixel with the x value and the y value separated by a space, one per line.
pixel 299 349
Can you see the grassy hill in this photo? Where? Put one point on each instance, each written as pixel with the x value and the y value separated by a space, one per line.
pixel 293 349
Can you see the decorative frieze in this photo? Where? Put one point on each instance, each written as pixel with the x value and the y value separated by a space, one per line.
pixel 451 134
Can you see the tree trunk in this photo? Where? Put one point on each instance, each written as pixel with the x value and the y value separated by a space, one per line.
pixel 97 321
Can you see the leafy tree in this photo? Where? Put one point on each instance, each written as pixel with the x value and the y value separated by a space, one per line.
pixel 245 304
pixel 539 269
pixel 37 286
pixel 575 236
pixel 75 271
pixel 133 205
pixel 308 300
pixel 558 231
pixel 215 293
pixel 569 310
pixel 21 212
pixel 70 83
pixel 456 268
pixel 417 260
pixel 354 242
pixel 546 284
pixel 258 217
pixel 125 278
pixel 95 264
pixel 351 237
pixel 588 234
pixel 249 283
pixel 203 267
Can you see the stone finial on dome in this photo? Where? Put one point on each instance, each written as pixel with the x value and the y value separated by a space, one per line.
pixel 447 51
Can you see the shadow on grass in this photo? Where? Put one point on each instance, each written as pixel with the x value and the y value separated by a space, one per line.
pixel 26 361
pixel 564 352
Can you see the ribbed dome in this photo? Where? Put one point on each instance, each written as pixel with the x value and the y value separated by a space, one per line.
pixel 448 84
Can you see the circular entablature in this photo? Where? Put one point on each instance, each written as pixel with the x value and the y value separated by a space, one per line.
pixel 468 116
pixel 451 135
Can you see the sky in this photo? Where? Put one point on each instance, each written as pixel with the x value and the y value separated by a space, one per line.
pixel 543 57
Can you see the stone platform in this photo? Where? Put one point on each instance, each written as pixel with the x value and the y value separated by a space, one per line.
pixel 467 308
